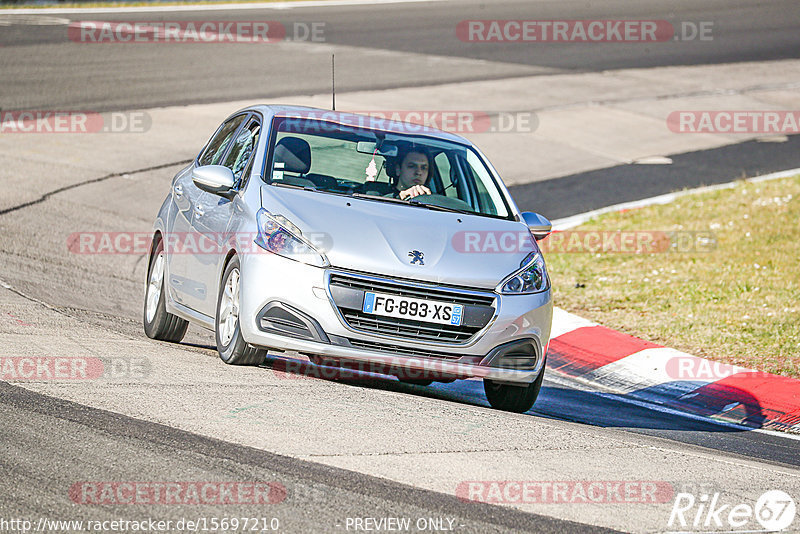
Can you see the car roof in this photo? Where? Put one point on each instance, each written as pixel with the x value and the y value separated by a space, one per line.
pixel 355 119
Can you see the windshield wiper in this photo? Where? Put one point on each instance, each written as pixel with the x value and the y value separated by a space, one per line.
pixel 413 202
pixel 439 208
pixel 292 186
pixel 378 197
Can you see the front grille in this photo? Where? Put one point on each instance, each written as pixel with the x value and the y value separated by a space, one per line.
pixel 354 287
pixel 406 351
pixel 407 328
pixel 455 295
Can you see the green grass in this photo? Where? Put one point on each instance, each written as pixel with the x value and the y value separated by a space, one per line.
pixel 738 303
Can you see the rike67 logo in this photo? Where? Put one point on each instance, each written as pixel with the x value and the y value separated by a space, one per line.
pixel 774 511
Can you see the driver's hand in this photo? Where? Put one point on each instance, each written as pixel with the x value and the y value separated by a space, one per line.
pixel 414 191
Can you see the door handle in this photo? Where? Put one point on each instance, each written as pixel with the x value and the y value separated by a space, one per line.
pixel 198 210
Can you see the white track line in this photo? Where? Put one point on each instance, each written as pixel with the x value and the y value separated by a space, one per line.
pixel 575 220
pixel 207 7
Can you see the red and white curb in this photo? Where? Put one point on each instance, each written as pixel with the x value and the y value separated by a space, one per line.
pixel 647 372
pixel 641 371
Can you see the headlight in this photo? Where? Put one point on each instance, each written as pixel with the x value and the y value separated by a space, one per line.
pixel 530 278
pixel 277 234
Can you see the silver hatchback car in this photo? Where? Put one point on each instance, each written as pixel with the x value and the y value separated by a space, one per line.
pixel 353 240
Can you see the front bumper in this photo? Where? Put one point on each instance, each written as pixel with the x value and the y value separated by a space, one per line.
pixel 288 305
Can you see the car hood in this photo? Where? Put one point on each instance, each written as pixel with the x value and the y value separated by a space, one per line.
pixel 381 238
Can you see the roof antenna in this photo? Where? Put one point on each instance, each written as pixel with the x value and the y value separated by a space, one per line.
pixel 333 81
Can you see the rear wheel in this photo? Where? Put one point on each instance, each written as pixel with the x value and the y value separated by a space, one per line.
pixel 231 346
pixel 158 322
pixel 511 398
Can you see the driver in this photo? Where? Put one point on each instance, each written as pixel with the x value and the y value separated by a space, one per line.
pixel 412 171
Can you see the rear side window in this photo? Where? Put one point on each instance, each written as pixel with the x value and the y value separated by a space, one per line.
pixel 213 153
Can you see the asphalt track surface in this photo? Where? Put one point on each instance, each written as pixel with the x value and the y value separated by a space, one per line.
pixel 378 46
pixel 118 447
pixel 580 193
pixel 45 71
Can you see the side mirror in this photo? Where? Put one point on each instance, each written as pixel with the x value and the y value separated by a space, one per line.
pixel 539 225
pixel 214 179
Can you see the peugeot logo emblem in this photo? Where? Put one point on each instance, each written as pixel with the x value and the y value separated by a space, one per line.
pixel 416 257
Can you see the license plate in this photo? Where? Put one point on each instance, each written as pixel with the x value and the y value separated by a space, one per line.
pixel 429 311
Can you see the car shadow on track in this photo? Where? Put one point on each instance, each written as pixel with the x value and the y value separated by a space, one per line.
pixel 576 405
pixel 617 410
pixel 628 413
pixel 463 391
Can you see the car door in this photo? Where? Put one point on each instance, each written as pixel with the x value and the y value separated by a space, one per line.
pixel 188 284
pixel 213 214
pixel 180 226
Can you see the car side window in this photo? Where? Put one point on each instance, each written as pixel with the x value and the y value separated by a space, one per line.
pixel 219 143
pixel 242 149
pixel 445 171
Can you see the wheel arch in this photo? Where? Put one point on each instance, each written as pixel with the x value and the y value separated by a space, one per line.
pixel 154 241
pixel 232 253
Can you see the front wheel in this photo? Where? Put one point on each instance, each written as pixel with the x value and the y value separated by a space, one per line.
pixel 511 398
pixel 232 348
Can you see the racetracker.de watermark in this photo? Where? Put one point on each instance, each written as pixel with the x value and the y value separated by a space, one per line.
pixel 178 492
pixel 582 31
pixel 463 121
pixel 585 241
pixel 68 368
pixel 687 367
pixel 139 243
pixel 414 121
pixel 216 523
pixel 73 122
pixel 464 242
pixel 408 368
pixel 565 492
pixel 194 32
pixel 735 122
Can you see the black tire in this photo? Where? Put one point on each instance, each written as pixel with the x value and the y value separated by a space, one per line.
pixel 235 351
pixel 159 323
pixel 510 398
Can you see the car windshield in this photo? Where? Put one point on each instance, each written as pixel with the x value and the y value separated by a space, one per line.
pixel 343 159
